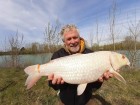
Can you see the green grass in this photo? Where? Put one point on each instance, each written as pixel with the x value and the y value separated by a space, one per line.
pixel 112 92
pixel 13 91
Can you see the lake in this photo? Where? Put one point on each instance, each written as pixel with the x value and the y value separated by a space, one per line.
pixel 26 59
pixel 43 58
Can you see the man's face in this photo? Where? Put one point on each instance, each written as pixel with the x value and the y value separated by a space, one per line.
pixel 72 41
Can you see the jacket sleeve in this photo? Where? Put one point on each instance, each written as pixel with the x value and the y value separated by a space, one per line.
pixel 95 85
pixel 56 86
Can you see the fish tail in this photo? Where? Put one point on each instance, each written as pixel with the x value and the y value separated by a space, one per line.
pixel 33 75
pixel 32 69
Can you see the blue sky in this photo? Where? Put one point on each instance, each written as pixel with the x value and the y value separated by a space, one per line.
pixel 30 17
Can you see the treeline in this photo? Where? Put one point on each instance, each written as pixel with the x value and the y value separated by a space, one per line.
pixel 123 45
pixel 35 49
pixel 120 46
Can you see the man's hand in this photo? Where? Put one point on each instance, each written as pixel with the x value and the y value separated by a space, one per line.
pixel 59 80
pixel 105 76
pixel 55 80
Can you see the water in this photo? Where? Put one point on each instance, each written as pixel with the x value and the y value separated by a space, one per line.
pixel 130 54
pixel 43 58
pixel 26 59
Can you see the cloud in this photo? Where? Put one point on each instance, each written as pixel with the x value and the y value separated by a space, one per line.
pixel 30 17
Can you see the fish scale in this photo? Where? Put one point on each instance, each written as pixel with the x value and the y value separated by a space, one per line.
pixel 79 68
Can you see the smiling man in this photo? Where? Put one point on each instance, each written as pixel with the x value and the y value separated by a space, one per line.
pixel 73 43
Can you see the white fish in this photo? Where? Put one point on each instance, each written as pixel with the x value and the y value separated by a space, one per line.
pixel 79 68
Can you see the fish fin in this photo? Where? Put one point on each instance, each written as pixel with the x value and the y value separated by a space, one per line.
pixel 31 69
pixel 32 79
pixel 33 75
pixel 27 80
pixel 118 76
pixel 81 88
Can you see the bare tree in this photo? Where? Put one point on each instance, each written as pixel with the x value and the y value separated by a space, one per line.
pixel 112 24
pixel 35 47
pixel 52 37
pixel 91 38
pixel 128 43
pixel 134 33
pixel 15 43
pixel 98 36
pixel 95 39
pixel 5 60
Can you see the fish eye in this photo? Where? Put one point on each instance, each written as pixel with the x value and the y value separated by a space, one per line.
pixel 123 57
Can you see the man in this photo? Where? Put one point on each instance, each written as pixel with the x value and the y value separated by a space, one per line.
pixel 73 43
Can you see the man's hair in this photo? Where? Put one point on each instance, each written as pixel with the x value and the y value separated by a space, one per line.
pixel 67 28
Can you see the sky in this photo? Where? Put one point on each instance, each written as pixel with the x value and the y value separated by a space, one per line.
pixel 31 17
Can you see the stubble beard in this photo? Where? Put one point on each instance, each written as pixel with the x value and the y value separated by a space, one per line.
pixel 74 48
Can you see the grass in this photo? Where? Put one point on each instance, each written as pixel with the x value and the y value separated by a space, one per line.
pixel 13 91
pixel 112 92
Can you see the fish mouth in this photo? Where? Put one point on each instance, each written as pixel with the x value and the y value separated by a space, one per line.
pixel 128 64
pixel 118 70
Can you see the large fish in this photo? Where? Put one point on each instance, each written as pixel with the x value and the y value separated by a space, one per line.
pixel 79 68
